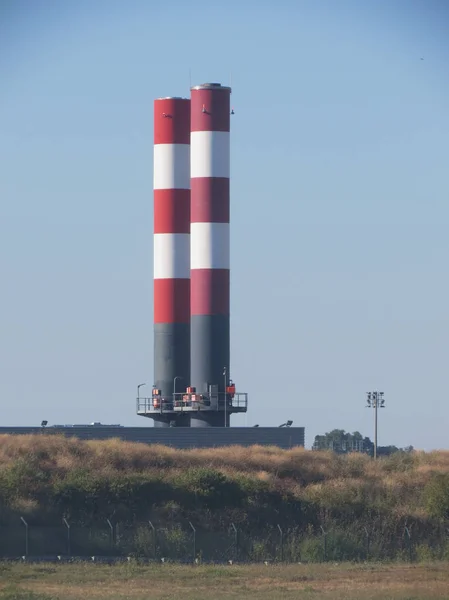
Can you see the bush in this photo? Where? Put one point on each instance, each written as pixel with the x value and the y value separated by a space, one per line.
pixel 437 496
pixel 209 488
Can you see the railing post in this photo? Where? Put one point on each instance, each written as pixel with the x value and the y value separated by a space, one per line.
pixel 282 542
pixel 236 541
pixel 367 542
pixel 324 544
pixel 112 532
pixel 194 540
pixel 68 535
pixel 26 535
pixel 154 539
pixel 409 538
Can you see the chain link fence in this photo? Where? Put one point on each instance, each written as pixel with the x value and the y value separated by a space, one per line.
pixel 189 543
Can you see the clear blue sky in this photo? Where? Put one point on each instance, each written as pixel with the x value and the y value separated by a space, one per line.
pixel 340 206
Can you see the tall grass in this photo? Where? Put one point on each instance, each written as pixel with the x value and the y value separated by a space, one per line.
pixel 45 477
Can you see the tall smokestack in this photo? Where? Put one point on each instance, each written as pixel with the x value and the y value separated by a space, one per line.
pixel 210 256
pixel 171 254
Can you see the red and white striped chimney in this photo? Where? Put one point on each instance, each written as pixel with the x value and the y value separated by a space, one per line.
pixel 171 250
pixel 210 252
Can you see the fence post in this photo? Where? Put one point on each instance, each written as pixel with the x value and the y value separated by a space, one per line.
pixel 236 541
pixel 194 540
pixel 117 536
pixel 154 539
pixel 26 535
pixel 324 544
pixel 68 535
pixel 112 532
pixel 282 542
pixel 367 542
pixel 409 538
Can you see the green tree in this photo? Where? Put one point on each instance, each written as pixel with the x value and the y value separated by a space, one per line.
pixel 341 441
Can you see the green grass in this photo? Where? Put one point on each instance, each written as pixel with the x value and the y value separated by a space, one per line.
pixel 131 581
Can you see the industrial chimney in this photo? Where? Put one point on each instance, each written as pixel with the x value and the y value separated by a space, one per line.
pixel 209 243
pixel 171 258
pixel 192 385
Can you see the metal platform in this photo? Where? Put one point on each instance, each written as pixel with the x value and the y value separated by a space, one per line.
pixel 192 403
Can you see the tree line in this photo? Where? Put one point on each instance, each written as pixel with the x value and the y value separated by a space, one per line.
pixel 342 442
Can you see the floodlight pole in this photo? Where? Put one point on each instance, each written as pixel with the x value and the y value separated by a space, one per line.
pixel 374 400
pixel 225 398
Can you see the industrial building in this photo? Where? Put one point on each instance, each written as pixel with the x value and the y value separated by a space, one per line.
pixel 182 438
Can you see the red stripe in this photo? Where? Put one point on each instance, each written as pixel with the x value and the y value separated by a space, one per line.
pixel 209 200
pixel 172 301
pixel 217 104
pixel 174 127
pixel 171 211
pixel 209 291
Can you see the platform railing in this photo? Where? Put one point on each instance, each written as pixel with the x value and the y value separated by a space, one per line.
pixel 183 402
pixel 147 405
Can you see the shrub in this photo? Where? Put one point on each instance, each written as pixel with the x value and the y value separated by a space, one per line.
pixel 437 496
pixel 210 488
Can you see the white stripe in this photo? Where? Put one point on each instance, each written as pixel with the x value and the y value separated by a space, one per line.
pixel 209 154
pixel 171 256
pixel 171 166
pixel 209 246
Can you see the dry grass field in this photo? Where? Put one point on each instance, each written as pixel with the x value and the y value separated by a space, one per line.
pixel 171 582
pixel 311 476
pixel 255 490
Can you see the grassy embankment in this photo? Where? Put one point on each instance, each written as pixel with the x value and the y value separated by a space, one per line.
pixel 251 582
pixel 46 477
